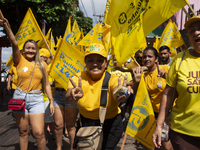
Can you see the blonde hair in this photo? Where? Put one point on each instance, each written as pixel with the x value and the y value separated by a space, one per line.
pixel 39 62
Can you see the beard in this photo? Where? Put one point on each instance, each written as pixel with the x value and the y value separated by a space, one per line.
pixel 165 59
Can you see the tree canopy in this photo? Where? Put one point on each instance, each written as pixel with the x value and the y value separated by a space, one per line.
pixel 55 12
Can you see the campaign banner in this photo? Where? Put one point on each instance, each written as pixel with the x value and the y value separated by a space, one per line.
pixel 67 62
pixel 142 123
pixel 29 29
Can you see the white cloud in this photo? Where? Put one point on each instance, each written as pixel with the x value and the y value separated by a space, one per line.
pixel 99 8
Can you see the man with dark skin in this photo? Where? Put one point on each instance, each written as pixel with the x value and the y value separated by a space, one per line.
pixel 165 53
pixel 138 57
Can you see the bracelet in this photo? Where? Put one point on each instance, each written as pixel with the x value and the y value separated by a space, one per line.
pixel 51 99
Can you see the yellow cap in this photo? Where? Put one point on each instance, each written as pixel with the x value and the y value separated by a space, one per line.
pixel 96 48
pixel 190 21
pixel 44 52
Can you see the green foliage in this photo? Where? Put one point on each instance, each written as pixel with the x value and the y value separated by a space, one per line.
pixel 55 12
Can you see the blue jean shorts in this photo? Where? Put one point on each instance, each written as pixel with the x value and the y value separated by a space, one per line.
pixel 47 117
pixel 34 102
pixel 59 99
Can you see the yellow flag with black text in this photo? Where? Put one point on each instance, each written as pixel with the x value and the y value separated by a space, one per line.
pixel 67 62
pixel 76 33
pixel 29 29
pixel 132 20
pixel 142 122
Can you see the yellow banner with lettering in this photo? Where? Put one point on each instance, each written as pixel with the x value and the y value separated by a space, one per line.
pixel 67 62
pixel 142 123
pixel 76 34
pixel 29 29
pixel 67 34
pixel 132 20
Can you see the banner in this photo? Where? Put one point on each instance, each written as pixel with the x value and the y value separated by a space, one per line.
pixel 142 123
pixel 67 34
pixel 91 37
pixel 48 34
pixel 52 44
pixel 156 44
pixel 67 62
pixel 76 33
pixel 132 20
pixel 29 29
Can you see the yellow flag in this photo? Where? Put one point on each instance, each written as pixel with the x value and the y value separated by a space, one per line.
pixel 132 20
pixel 91 37
pixel 52 44
pixel 29 29
pixel 48 34
pixel 43 44
pixel 76 33
pixel 142 123
pixel 10 60
pixel 68 32
pixel 156 44
pixel 67 62
pixel 171 36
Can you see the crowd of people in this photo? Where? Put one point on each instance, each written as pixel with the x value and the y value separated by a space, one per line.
pixel 49 105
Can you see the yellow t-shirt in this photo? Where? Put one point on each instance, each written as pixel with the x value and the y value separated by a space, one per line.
pixel 89 103
pixel 155 86
pixel 185 116
pixel 57 85
pixel 122 74
pixel 24 72
pixel 13 72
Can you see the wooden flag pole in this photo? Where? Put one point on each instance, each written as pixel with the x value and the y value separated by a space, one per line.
pixel 124 141
pixel 186 13
pixel 191 9
pixel 135 61
pixel 48 46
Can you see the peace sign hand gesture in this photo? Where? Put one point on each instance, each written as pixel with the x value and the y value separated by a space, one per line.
pixel 77 92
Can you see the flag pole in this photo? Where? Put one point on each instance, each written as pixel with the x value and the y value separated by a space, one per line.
pixel 186 13
pixel 124 141
pixel 191 8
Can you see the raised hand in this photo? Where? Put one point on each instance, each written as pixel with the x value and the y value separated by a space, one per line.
pixel 137 73
pixel 161 73
pixel 77 92
pixel 121 95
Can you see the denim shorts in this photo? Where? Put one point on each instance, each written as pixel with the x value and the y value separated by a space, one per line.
pixel 34 102
pixel 59 99
pixel 47 117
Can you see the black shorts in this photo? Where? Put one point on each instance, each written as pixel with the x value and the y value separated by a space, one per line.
pixel 184 142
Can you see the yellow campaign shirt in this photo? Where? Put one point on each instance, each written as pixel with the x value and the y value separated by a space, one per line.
pixel 185 116
pixel 122 74
pixel 24 72
pixel 155 86
pixel 90 102
pixel 57 85
pixel 13 72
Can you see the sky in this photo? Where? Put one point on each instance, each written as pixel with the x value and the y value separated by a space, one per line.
pixel 89 7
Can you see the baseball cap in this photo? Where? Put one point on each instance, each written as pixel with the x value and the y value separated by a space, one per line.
pixel 44 52
pixel 190 21
pixel 96 48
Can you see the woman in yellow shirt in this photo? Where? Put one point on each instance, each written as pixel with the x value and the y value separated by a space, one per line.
pixel 34 110
pixel 88 92
pixel 155 81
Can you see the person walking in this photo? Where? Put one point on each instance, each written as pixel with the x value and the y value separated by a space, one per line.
pixel 29 65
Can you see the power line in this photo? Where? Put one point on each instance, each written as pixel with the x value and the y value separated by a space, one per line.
pixel 84 8
pixel 93 9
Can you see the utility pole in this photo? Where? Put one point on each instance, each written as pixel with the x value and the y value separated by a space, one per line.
pixel 100 16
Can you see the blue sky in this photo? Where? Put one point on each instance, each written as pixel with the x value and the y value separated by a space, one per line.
pixel 98 9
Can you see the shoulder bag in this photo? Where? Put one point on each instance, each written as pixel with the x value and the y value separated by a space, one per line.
pixel 19 104
pixel 91 137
